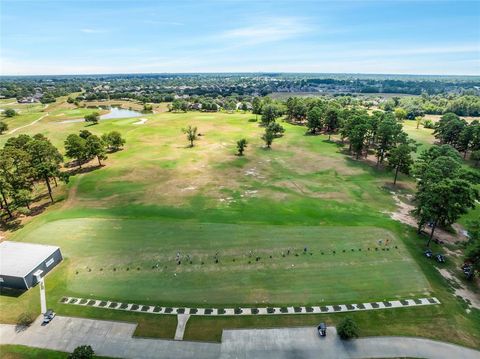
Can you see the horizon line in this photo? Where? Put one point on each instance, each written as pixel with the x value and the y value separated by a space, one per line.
pixel 243 72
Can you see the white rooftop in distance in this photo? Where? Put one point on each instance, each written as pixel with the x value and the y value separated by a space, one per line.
pixel 17 259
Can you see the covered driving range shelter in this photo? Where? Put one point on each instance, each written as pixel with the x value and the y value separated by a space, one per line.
pixel 19 262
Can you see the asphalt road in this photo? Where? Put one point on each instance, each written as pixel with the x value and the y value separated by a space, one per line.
pixel 114 339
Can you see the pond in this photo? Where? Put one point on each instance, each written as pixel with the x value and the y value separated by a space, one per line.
pixel 117 112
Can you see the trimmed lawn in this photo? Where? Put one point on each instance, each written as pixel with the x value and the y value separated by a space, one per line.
pixel 122 225
pixel 136 260
pixel 24 352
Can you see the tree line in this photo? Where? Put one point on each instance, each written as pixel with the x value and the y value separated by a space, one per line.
pixel 446 188
pixel 464 137
pixel 26 161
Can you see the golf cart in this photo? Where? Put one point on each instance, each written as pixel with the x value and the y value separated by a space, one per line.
pixel 428 253
pixel 322 330
pixel 440 258
pixel 48 316
pixel 468 270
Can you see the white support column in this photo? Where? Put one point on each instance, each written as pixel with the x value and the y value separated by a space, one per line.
pixel 43 298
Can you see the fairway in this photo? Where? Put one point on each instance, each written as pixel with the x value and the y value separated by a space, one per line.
pixel 136 260
pixel 123 225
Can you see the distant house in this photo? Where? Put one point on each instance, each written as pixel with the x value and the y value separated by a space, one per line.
pixel 196 106
pixel 247 104
pixel 28 99
pixel 20 262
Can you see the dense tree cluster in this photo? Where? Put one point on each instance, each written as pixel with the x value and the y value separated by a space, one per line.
pixel 455 131
pixel 465 104
pixel 446 190
pixel 24 161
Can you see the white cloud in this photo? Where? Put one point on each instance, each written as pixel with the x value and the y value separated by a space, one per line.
pixel 92 31
pixel 268 30
pixel 157 22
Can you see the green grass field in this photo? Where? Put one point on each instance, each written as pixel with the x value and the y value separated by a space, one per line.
pixel 23 352
pixel 158 197
pixel 106 267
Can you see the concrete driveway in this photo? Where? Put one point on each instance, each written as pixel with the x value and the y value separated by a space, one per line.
pixel 114 339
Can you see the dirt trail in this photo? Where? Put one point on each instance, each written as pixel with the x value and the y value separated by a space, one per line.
pixel 403 214
pixel 460 290
pixel 30 124
pixel 72 194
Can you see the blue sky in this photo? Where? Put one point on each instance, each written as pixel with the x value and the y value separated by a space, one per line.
pixel 78 37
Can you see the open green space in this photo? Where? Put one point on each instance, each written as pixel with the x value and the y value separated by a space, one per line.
pixel 136 260
pixel 24 352
pixel 121 226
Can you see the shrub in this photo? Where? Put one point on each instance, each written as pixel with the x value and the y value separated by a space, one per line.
pixel 157 309
pixel 324 309
pixel 361 306
pixel 64 300
pixel 102 303
pixel 193 310
pixel 404 302
pixel 270 310
pixel 374 305
pixel 309 309
pixel 208 311
pixel 284 310
pixel 134 307
pixel 10 112
pixel 347 329
pixel 428 124
pixel 350 306
pixel 297 309
pixel 417 301
pixel 168 310
pixel 337 308
pixel 254 310
pixel 387 304
pixel 73 300
pixel 91 302
pixel 221 311
pixel 113 305
pixel 83 301
pixel 145 308
pixel 123 306
pixel 25 319
pixel 82 352
pixel 180 310
pixel 432 301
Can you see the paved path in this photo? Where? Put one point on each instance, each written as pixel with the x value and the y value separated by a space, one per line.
pixel 114 339
pixel 107 338
pixel 305 343
pixel 182 320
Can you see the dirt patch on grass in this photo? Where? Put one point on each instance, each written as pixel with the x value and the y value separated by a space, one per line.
pixel 403 214
pixel 304 162
pixel 302 188
pixel 473 299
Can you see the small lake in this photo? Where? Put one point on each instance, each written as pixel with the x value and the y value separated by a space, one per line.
pixel 117 112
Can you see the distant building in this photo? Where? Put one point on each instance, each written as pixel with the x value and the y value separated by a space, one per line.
pixel 19 262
